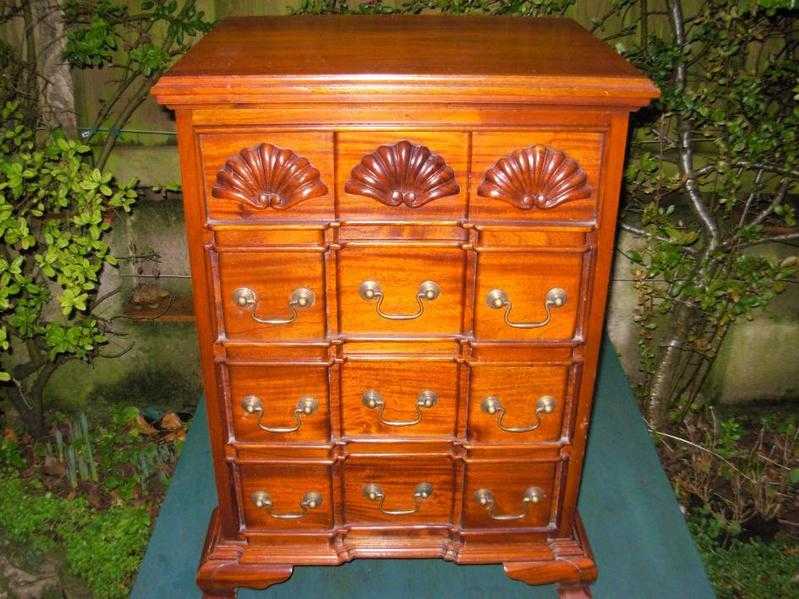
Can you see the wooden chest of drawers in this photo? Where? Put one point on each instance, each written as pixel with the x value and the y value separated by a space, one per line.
pixel 400 232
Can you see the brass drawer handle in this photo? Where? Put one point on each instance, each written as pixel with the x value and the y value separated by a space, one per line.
pixel 372 399
pixel 492 405
pixel 252 404
pixel 428 290
pixel 301 298
pixel 311 500
pixel 486 498
pixel 374 492
pixel 498 299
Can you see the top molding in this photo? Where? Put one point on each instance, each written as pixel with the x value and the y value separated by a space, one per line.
pixel 334 58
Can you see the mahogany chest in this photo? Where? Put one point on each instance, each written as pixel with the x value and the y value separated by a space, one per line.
pixel 400 232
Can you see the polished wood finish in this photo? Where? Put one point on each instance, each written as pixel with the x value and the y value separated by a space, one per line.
pixel 444 204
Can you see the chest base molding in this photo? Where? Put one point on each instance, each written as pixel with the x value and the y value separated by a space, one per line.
pixel 528 557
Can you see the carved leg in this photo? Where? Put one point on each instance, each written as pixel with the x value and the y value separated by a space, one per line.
pixel 220 571
pixel 569 564
pixel 219 579
pixel 574 591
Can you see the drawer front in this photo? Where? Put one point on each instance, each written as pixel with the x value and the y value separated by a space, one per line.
pixel 509 495
pixel 535 175
pixel 401 290
pixel 409 398
pixel 286 496
pixel 267 175
pixel 279 404
pixel 398 491
pixel 512 404
pixel 528 295
pixel 401 175
pixel 272 296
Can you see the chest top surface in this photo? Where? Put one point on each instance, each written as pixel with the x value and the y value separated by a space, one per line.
pixel 256 60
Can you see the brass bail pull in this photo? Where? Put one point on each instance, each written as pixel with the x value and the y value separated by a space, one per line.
pixel 486 498
pixel 498 299
pixel 425 400
pixel 371 291
pixel 300 299
pixel 374 492
pixel 310 501
pixel 493 406
pixel 306 406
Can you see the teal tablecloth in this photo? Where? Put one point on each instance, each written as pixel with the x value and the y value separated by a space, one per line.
pixel 638 535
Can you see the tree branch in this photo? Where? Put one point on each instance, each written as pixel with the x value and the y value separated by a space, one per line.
pixel 642 233
pixel 686 149
pixel 772 239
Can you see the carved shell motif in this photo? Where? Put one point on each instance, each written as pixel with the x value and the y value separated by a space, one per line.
pixel 403 173
pixel 537 176
pixel 266 176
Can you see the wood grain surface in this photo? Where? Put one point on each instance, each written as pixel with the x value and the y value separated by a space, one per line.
pixel 531 117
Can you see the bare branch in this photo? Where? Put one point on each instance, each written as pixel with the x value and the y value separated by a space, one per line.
pixel 750 199
pixel 773 239
pixel 686 149
pixel 778 199
pixel 642 233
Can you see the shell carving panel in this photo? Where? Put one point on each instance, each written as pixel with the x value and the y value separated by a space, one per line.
pixel 535 177
pixel 403 173
pixel 266 176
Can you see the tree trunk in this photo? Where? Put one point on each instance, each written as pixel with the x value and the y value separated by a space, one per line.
pixel 662 384
pixel 30 406
pixel 27 414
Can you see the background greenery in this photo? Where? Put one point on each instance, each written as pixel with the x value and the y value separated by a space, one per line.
pixel 89 323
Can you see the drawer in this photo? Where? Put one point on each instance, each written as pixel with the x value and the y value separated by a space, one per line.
pixel 535 175
pixel 528 295
pixel 509 494
pixel 516 404
pixel 269 296
pixel 401 290
pixel 286 496
pixel 398 491
pixel 401 175
pixel 408 398
pixel 283 404
pixel 267 175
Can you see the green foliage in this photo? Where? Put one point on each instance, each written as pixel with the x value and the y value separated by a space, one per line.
pixel 712 168
pixel 99 522
pixel 54 209
pixel 530 8
pixel 733 469
pixel 104 549
pixel 138 46
pixel 10 456
pixel 97 30
pixel 130 462
pixel 753 568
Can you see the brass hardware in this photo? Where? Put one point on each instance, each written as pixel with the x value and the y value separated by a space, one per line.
pixel 498 299
pixel 426 399
pixel 371 290
pixel 306 406
pixel 492 405
pixel 311 500
pixel 300 298
pixel 486 498
pixel 374 492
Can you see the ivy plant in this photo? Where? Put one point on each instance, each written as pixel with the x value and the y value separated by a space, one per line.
pixel 55 212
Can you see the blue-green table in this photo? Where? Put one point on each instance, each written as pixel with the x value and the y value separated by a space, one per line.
pixel 642 547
